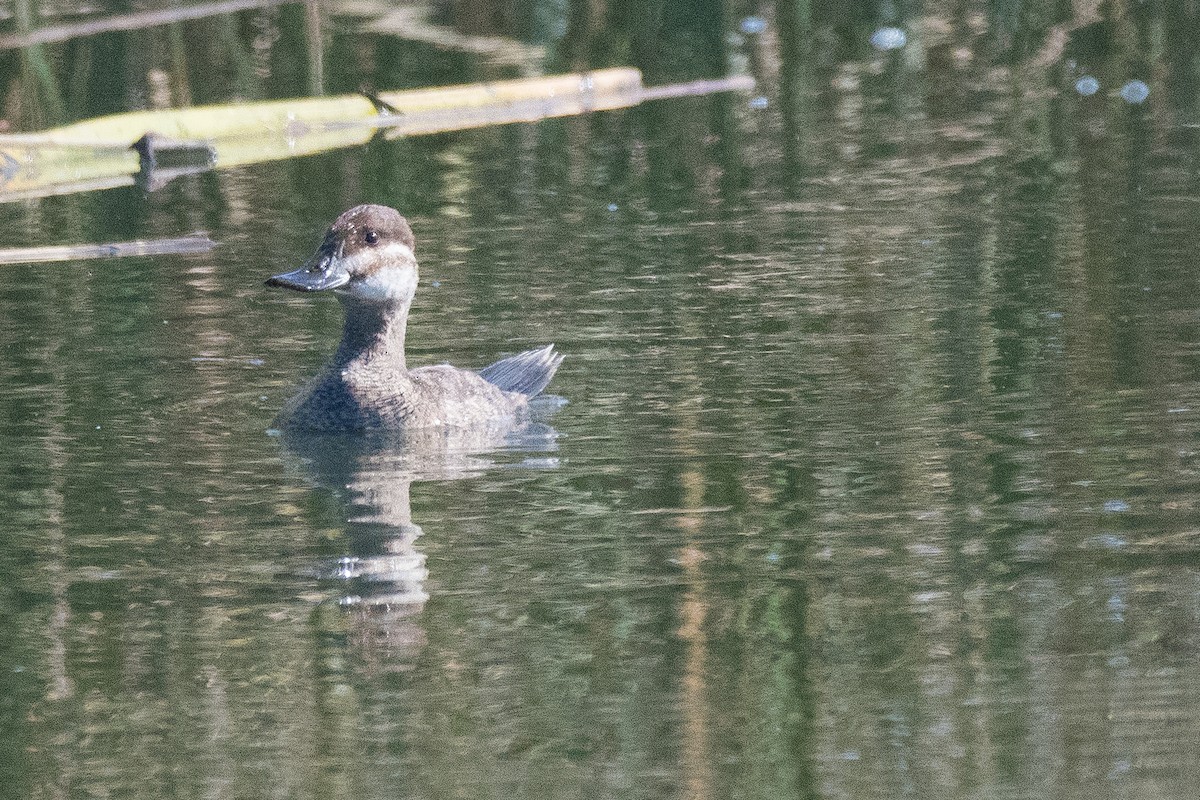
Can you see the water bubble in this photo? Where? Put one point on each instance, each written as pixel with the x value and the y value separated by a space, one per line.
pixel 1115 506
pixel 436 284
pixel 889 39
pixel 1134 92
pixel 612 206
pixel 759 103
pixel 753 25
pixel 1087 86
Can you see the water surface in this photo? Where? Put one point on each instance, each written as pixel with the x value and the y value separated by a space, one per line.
pixel 878 475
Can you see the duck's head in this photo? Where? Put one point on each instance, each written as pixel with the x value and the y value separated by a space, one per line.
pixel 366 255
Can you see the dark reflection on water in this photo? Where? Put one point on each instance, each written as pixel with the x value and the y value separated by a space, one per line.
pixel 879 474
pixel 384 569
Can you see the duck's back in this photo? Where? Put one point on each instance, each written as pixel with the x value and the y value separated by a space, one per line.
pixel 447 395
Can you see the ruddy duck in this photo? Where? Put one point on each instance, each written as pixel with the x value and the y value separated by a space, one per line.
pixel 367 258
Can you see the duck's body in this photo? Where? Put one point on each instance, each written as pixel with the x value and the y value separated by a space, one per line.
pixel 367 394
pixel 367 257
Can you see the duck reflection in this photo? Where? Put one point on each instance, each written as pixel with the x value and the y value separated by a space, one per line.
pixel 381 578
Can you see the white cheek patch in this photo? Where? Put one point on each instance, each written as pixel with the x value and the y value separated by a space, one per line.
pixel 382 274
pixel 394 251
pixel 384 286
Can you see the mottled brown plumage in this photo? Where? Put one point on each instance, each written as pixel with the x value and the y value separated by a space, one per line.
pixel 367 257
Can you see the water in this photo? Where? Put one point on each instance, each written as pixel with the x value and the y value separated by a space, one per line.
pixel 878 475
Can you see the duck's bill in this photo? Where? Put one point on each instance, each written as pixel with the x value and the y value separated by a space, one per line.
pixel 317 275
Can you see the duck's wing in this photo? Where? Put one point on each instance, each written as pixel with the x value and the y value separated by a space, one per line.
pixel 525 373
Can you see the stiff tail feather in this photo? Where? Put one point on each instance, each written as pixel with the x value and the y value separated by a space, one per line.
pixel 525 373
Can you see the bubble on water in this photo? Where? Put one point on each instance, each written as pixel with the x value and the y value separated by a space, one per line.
pixel 612 206
pixel 1115 506
pixel 889 39
pixel 753 25
pixel 1134 92
pixel 1087 86
pixel 759 103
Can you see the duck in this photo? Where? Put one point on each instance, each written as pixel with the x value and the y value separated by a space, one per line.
pixel 367 258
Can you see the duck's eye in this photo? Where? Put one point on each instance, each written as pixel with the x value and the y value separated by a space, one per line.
pixel 371 236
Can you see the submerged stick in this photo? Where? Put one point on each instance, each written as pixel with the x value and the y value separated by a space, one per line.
pixel 446 108
pixel 192 243
pixel 414 24
pixel 129 22
pixel 733 83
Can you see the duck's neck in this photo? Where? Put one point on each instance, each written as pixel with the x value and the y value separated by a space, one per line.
pixel 373 332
